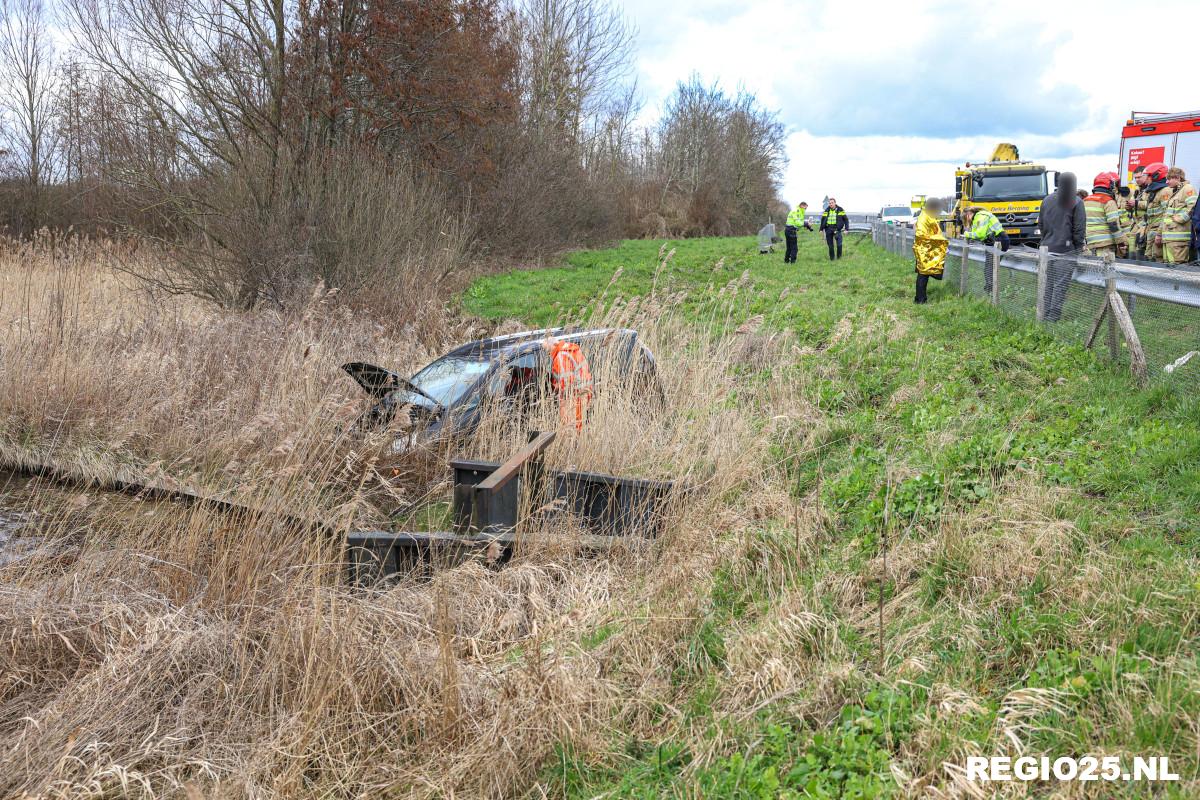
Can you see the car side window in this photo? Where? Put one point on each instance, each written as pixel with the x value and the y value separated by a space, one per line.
pixel 517 380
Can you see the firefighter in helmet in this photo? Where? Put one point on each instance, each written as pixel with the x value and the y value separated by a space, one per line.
pixel 1157 195
pixel 1104 236
pixel 1177 218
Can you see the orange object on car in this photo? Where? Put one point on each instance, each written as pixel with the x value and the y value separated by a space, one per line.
pixel 571 378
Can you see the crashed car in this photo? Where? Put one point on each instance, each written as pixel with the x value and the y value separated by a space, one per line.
pixel 447 397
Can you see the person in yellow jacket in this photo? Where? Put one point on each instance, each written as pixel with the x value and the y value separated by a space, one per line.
pixel 1177 218
pixel 929 247
pixel 1104 236
pixel 1157 194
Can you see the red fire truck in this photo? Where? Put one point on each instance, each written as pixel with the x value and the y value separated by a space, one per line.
pixel 1173 139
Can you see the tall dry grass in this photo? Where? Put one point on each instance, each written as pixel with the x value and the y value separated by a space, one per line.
pixel 159 650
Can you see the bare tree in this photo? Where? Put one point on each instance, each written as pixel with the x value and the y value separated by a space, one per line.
pixel 576 59
pixel 716 159
pixel 209 79
pixel 27 61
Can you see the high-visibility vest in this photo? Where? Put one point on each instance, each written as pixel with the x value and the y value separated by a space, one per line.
pixel 984 225
pixel 1177 214
pixel 569 371
pixel 796 217
pixel 831 217
pixel 1103 221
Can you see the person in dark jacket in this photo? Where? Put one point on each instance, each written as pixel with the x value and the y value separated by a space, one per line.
pixel 833 222
pixel 1063 224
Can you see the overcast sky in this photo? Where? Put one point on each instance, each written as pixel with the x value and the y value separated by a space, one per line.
pixel 882 99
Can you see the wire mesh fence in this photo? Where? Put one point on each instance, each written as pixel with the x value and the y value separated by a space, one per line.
pixel 1143 316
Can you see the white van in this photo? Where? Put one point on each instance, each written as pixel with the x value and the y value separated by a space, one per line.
pixel 896 215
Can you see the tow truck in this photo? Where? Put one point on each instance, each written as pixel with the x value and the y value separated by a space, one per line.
pixel 1010 188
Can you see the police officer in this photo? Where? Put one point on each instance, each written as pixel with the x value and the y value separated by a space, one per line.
pixel 795 219
pixel 833 222
pixel 982 226
pixel 1103 218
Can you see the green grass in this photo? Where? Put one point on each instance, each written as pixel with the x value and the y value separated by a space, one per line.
pixel 929 412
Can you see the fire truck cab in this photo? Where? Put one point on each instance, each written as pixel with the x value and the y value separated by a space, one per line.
pixel 1173 139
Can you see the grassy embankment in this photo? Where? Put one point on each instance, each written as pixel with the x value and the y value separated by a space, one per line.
pixel 1030 514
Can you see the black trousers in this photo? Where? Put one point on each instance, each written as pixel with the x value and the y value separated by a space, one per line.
pixel 1058 279
pixel 923 287
pixel 989 265
pixel 789 236
pixel 829 237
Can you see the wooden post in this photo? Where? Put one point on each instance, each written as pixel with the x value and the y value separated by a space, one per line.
pixel 997 254
pixel 1101 313
pixel 1137 356
pixel 964 265
pixel 1114 348
pixel 1043 266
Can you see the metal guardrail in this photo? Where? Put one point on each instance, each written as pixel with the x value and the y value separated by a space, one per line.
pixel 1140 279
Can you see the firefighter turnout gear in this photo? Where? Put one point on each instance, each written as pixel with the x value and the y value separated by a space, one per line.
pixel 1158 194
pixel 1177 224
pixel 1137 225
pixel 571 378
pixel 1103 226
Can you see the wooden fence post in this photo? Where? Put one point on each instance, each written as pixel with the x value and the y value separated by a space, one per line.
pixel 963 266
pixel 1137 356
pixel 997 254
pixel 1114 349
pixel 1043 265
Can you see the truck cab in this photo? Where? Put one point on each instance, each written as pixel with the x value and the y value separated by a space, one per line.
pixel 1011 189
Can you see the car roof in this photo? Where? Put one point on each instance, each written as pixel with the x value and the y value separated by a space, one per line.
pixel 516 344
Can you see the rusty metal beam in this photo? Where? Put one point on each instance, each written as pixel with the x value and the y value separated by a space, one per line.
pixel 511 468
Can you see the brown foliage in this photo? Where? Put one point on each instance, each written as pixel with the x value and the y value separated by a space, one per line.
pixel 268 147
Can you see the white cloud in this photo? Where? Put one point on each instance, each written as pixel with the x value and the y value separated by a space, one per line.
pixel 840 74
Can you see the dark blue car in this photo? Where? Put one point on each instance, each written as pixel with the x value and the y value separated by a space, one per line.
pixel 447 396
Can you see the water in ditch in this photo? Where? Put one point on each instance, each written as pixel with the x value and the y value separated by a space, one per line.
pixel 16 518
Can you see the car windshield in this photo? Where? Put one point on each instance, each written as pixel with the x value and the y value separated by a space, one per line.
pixel 1010 187
pixel 445 380
pixel 896 211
